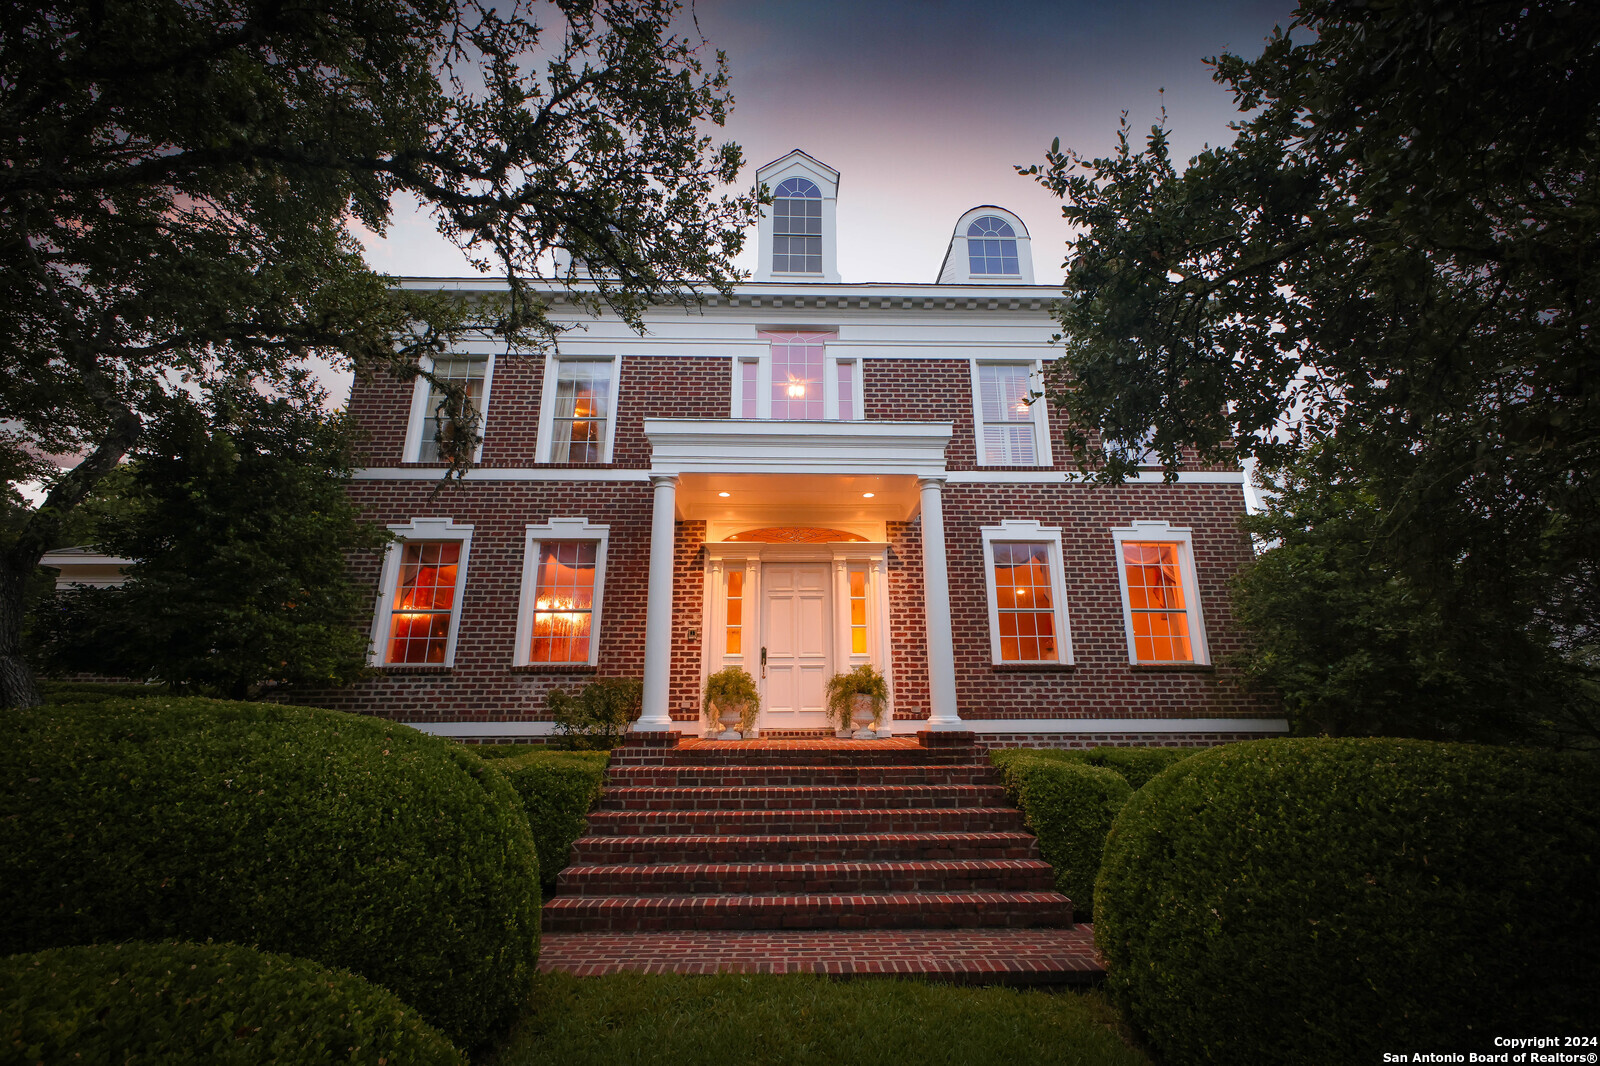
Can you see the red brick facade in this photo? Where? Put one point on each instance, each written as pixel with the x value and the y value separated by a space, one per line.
pixel 483 685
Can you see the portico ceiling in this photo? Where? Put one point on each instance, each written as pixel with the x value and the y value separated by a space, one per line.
pixel 755 500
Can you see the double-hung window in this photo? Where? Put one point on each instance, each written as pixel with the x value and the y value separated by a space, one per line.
pixel 992 248
pixel 801 377
pixel 797 227
pixel 432 430
pixel 1160 597
pixel 419 605
pixel 577 423
pixel 1027 595
pixel 563 577
pixel 1011 425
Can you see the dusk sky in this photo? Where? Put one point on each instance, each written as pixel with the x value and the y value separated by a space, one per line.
pixel 924 106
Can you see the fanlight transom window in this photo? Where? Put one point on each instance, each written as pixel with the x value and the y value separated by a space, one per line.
pixel 992 246
pixel 797 228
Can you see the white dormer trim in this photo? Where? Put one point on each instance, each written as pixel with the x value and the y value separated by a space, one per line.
pixel 957 267
pixel 798 164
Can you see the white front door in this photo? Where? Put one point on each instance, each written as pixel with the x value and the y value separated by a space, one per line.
pixel 796 615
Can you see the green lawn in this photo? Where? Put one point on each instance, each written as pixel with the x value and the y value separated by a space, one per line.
pixel 801 1019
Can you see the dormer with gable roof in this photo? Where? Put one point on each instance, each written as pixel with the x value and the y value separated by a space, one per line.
pixel 798 230
pixel 990 246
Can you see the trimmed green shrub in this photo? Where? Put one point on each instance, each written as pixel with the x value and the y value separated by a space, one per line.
pixel 59 693
pixel 355 842
pixel 599 716
pixel 178 1004
pixel 1069 806
pixel 1321 901
pixel 557 788
pixel 1136 765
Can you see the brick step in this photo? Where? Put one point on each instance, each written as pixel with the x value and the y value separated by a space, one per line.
pixel 848 878
pixel 802 848
pixel 742 755
pixel 915 910
pixel 785 822
pixel 799 798
pixel 788 774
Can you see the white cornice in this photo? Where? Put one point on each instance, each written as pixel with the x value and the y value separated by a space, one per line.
pixel 818 294
pixel 736 445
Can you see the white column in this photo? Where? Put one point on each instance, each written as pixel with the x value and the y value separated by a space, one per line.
pixel 658 612
pixel 936 607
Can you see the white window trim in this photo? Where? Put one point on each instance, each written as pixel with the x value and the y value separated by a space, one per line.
pixel 547 403
pixel 1031 532
pixel 419 408
pixel 559 529
pixel 1183 537
pixel 1039 409
pixel 831 359
pixel 418 529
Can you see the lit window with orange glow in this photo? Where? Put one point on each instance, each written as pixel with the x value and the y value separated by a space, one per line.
pixel 563 603
pixel 858 612
pixel 424 601
pixel 582 411
pixel 1156 604
pixel 735 611
pixel 1026 586
pixel 1025 603
pixel 1160 596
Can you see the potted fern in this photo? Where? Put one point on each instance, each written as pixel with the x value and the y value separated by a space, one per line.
pixel 858 697
pixel 732 700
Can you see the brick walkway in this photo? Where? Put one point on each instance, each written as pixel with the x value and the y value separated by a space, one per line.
pixel 979 956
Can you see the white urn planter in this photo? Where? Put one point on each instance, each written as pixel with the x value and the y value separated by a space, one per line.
pixel 861 716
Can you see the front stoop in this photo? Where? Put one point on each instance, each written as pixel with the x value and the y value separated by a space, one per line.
pixel 806 855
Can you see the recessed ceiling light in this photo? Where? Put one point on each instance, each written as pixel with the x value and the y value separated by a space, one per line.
pixel 868 495
pixel 724 494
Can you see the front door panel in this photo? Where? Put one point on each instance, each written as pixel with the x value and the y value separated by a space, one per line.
pixel 796 620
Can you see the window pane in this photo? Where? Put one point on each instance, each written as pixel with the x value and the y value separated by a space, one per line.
pixel 1007 416
pixel 735 611
pixel 1024 602
pixel 847 391
pixel 797 380
pixel 583 396
pixel 563 602
pixel 465 370
pixel 858 612
pixel 749 399
pixel 1159 616
pixel 419 621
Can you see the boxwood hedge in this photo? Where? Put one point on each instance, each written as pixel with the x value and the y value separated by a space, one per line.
pixel 355 842
pixel 1069 806
pixel 177 1004
pixel 557 788
pixel 1322 901
pixel 1136 765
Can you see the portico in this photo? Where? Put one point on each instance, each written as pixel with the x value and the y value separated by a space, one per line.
pixel 796 555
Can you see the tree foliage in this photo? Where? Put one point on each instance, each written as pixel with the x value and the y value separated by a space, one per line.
pixel 238 523
pixel 181 174
pixel 1397 259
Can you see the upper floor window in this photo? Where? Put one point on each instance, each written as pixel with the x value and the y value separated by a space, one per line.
pixel 419 607
pixel 992 247
pixel 577 424
pixel 1160 597
pixel 1010 426
pixel 800 378
pixel 797 227
pixel 432 430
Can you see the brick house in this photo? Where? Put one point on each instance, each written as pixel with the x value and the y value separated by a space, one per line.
pixel 804 477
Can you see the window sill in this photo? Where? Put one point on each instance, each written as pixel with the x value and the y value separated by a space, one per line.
pixel 555 668
pixel 1033 668
pixel 392 669
pixel 1172 668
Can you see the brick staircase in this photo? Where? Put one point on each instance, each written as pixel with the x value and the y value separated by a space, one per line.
pixel 804 835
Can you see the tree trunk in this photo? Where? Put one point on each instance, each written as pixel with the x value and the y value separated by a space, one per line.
pixel 17 687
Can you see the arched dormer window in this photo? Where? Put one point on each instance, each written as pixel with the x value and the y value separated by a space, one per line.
pixel 992 247
pixel 797 228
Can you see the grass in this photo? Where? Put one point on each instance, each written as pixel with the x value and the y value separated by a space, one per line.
pixel 795 1020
